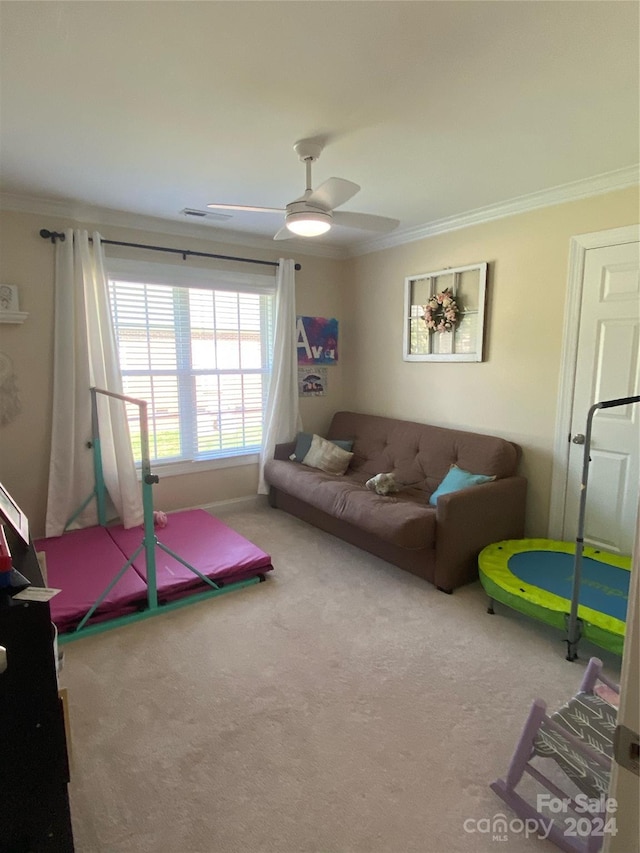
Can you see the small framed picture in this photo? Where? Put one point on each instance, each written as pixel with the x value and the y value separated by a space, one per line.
pixel 8 297
pixel 312 382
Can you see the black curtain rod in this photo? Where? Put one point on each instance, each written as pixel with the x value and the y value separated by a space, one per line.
pixel 58 235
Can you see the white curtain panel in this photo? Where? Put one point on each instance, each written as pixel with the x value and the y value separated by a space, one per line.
pixel 85 356
pixel 282 414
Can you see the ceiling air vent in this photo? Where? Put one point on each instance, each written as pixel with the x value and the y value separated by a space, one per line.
pixel 193 213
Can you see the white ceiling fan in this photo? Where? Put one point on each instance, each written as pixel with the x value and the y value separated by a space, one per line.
pixel 315 211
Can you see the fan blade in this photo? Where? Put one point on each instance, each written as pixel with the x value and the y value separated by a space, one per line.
pixel 283 234
pixel 332 193
pixel 365 221
pixel 247 207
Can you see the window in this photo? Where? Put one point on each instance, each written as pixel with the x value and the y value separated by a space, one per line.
pixel 196 345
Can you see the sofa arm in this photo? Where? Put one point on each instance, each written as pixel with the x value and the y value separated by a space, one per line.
pixel 284 451
pixel 470 519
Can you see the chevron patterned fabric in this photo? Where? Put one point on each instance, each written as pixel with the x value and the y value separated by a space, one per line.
pixel 593 720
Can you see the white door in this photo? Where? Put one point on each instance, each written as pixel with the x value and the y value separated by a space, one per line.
pixel 600 362
pixel 607 367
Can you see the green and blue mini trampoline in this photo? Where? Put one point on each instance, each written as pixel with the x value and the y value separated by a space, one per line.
pixel 583 590
pixel 535 577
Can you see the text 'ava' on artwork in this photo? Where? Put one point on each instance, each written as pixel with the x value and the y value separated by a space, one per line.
pixel 317 340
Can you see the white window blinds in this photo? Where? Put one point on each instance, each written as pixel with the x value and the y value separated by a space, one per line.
pixel 199 355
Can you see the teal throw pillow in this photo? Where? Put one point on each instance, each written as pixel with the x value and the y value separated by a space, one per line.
pixel 456 479
pixel 303 445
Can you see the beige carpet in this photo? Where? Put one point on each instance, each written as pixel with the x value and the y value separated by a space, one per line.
pixel 343 706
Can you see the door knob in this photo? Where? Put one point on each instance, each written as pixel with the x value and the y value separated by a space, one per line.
pixel 578 438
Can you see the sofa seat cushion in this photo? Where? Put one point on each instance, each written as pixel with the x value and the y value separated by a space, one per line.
pixel 405 519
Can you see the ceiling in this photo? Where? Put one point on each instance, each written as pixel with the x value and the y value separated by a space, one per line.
pixel 436 109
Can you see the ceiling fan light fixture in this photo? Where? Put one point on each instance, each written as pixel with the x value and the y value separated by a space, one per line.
pixel 308 224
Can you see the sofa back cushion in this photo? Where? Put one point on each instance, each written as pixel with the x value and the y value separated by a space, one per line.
pixel 420 455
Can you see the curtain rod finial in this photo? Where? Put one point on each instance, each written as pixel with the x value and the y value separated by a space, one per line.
pixel 52 235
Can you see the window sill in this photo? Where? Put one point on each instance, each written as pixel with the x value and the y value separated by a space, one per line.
pixel 174 469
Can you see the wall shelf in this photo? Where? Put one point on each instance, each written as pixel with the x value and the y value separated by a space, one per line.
pixel 13 316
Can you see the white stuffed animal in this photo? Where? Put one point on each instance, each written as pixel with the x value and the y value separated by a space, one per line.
pixel 382 484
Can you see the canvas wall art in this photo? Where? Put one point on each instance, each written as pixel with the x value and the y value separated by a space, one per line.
pixel 317 340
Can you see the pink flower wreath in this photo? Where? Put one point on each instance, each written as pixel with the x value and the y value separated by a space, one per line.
pixel 441 312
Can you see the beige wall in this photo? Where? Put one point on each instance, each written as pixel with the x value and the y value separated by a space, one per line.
pixel 26 260
pixel 514 392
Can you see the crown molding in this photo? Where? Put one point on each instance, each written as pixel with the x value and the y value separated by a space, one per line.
pixel 102 216
pixel 597 185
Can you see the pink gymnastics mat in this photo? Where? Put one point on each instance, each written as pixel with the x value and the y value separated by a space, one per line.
pixel 81 564
pixel 204 542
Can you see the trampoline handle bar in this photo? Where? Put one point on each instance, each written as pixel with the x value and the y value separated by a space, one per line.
pixel 621 401
pixel 573 628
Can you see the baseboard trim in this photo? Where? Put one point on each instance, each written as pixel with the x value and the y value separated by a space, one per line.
pixel 248 500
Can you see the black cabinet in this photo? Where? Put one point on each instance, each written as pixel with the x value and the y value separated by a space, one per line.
pixel 34 771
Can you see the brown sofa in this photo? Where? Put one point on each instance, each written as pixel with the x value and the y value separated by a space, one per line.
pixel 441 543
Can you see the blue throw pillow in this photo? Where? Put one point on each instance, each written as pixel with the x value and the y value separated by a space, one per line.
pixel 303 444
pixel 456 479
